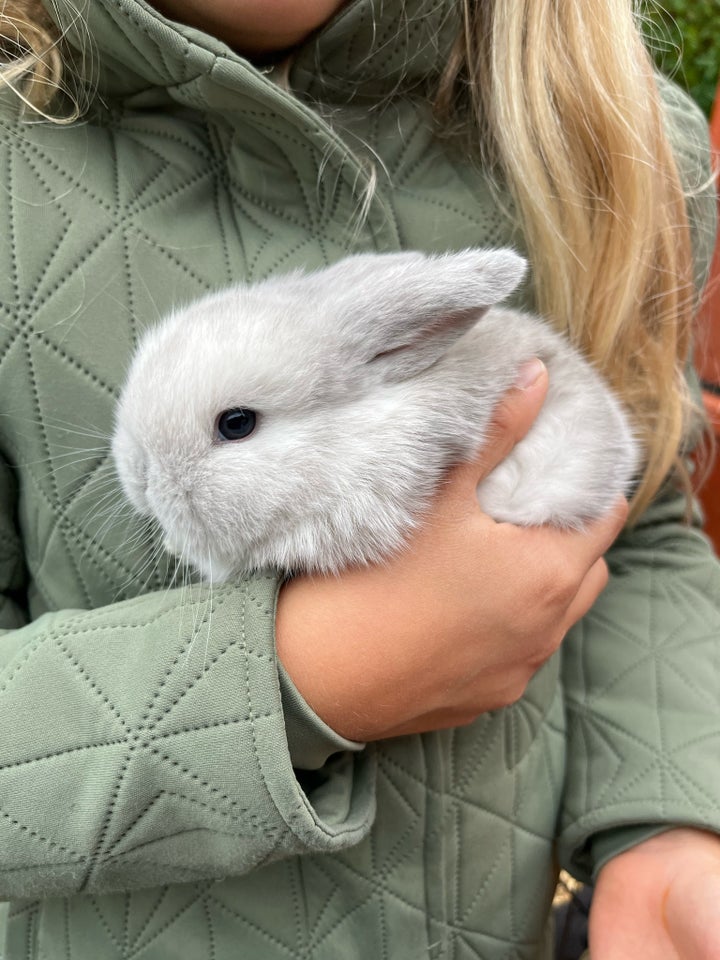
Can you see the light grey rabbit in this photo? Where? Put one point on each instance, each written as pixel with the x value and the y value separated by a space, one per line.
pixel 304 422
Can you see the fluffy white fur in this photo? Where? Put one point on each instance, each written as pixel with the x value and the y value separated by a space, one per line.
pixel 369 378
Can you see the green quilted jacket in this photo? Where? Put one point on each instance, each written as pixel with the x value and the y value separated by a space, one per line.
pixel 164 791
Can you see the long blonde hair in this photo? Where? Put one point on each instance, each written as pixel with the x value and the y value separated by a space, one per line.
pixel 563 95
pixel 562 98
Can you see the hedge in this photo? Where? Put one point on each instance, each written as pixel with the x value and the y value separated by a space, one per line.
pixel 684 36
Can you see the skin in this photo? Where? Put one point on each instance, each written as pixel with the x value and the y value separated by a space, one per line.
pixel 416 646
pixel 660 900
pixel 253 27
pixel 401 642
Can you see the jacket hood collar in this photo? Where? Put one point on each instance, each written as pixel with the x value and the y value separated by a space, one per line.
pixel 371 48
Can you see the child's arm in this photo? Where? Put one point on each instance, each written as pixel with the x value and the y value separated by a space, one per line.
pixel 144 743
pixel 642 683
pixel 641 672
pixel 455 626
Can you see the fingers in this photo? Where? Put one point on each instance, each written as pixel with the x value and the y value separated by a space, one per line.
pixel 577 558
pixel 567 556
pixel 597 538
pixel 590 589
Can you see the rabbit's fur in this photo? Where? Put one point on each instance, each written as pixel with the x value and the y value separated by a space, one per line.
pixel 369 379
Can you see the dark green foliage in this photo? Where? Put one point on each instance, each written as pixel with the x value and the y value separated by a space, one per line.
pixel 684 36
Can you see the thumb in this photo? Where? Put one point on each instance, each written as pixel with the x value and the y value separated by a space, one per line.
pixel 512 419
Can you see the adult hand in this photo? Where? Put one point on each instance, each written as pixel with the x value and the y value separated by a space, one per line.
pixel 456 624
pixel 660 900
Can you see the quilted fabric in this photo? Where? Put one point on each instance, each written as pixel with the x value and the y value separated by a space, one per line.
pixel 153 802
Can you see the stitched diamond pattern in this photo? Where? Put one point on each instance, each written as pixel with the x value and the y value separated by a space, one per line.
pixel 127 270
pixel 149 747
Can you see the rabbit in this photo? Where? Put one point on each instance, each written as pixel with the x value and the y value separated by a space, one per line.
pixel 303 423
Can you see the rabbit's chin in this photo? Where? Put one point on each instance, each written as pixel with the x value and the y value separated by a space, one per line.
pixel 210 569
pixel 214 571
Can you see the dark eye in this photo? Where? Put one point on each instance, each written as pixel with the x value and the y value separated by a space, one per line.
pixel 236 424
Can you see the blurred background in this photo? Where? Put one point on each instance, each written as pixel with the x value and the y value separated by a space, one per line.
pixel 684 36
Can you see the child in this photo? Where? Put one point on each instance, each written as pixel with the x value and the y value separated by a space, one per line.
pixel 182 772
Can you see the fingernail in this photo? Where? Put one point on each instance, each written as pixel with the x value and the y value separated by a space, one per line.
pixel 528 373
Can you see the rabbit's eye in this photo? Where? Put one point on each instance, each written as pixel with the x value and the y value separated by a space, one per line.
pixel 236 424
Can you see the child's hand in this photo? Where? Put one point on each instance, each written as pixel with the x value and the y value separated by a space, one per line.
pixel 660 900
pixel 455 625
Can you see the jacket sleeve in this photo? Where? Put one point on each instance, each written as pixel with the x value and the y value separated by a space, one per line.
pixel 145 743
pixel 641 672
pixel 642 685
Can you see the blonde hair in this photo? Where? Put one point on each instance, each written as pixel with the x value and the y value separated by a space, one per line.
pixel 561 96
pixel 32 62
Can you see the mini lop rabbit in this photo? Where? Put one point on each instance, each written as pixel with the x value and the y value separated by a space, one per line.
pixel 303 422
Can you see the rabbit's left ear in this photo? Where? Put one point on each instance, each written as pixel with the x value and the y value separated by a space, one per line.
pixel 407 309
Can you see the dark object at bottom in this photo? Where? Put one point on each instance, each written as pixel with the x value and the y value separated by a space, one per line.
pixel 571 925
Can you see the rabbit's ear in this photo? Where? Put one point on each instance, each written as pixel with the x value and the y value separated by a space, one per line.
pixel 406 310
